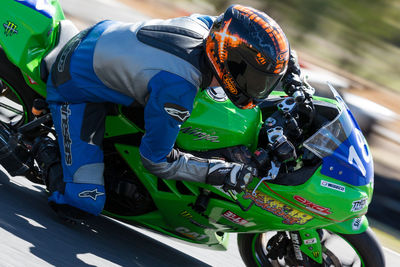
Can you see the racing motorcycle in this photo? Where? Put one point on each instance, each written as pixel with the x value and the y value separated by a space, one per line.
pixel 307 208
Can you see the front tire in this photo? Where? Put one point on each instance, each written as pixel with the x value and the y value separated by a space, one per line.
pixel 338 250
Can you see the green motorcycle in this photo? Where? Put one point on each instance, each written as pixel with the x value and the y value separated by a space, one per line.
pixel 307 210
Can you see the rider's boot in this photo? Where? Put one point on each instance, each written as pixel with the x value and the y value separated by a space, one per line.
pixel 47 156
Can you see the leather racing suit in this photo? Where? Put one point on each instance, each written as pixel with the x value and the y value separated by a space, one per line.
pixel 158 64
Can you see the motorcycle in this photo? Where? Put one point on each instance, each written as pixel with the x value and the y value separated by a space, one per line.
pixel 304 210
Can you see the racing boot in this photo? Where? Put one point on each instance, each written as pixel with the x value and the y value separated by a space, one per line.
pixel 47 156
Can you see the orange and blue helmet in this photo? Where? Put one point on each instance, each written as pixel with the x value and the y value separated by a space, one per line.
pixel 249 54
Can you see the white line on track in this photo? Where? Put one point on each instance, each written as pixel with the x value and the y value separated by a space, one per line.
pixel 391 251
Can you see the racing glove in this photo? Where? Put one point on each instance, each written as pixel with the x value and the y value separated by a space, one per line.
pixel 231 176
pixel 291 82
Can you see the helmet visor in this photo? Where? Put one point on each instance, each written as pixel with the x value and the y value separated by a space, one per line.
pixel 253 79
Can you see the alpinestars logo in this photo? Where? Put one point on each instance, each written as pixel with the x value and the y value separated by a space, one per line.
pixel 177 112
pixel 65 113
pixel 10 28
pixel 93 194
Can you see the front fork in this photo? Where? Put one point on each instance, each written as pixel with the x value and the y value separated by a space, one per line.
pixel 307 242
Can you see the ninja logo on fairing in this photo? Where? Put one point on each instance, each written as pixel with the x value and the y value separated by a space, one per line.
pixel 197 132
pixel 65 113
pixel 10 28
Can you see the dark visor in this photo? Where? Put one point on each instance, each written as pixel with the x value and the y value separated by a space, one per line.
pixel 254 80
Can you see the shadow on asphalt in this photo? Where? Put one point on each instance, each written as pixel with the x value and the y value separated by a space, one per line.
pixel 26 215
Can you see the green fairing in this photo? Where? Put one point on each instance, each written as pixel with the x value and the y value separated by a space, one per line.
pixel 276 206
pixel 212 125
pixel 32 39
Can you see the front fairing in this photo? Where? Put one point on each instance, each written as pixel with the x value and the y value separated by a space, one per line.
pixel 343 149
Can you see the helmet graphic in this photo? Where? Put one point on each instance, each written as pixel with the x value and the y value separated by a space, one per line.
pixel 248 52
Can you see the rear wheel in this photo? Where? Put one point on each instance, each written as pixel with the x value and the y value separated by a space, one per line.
pixel 16 97
pixel 338 250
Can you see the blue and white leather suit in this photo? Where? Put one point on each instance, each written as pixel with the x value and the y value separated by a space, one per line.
pixel 159 64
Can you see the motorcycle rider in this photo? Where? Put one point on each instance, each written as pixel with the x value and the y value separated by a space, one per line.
pixel 159 65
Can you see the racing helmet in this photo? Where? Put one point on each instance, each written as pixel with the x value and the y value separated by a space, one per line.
pixel 249 54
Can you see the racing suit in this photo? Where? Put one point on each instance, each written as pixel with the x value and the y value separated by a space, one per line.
pixel 158 64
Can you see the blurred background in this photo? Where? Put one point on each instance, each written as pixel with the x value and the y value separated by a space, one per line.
pixel 355 45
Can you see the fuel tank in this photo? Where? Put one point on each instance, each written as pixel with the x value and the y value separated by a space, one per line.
pixel 216 123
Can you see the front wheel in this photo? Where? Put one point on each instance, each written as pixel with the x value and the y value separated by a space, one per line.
pixel 338 250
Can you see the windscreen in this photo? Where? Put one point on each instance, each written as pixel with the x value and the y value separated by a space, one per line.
pixel 342 147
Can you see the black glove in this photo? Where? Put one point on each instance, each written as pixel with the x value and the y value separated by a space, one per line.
pixel 232 176
pixel 291 82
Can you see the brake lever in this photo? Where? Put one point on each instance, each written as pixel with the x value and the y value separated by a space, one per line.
pixel 272 173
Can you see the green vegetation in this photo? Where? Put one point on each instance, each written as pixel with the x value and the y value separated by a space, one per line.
pixel 360 37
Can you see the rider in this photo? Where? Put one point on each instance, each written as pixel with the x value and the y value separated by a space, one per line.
pixel 159 65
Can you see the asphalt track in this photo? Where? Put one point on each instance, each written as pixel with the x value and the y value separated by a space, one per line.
pixel 31 235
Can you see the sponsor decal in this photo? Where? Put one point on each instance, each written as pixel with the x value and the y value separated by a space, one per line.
pixel 312 206
pixel 189 216
pixel 10 28
pixel 93 194
pixel 296 246
pixel 186 214
pixel 261 59
pixel 357 223
pixel 192 235
pixel 65 113
pixel 289 214
pixel 32 81
pixel 333 186
pixel 310 241
pixel 315 254
pixel 177 112
pixel 230 84
pixel 234 218
pixel 200 134
pixel 359 204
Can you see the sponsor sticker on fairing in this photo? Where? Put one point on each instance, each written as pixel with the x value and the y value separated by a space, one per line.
pixel 333 186
pixel 359 204
pixel 234 218
pixel 357 223
pixel 310 241
pixel 312 206
pixel 296 246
